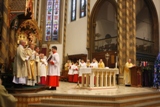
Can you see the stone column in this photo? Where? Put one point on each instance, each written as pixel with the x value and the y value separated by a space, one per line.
pixel 4 43
pixel 64 30
pixel 121 34
pixel 88 23
pixel 126 32
pixel 12 44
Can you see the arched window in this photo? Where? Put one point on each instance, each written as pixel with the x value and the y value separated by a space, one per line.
pixel 52 20
pixel 82 8
pixel 73 10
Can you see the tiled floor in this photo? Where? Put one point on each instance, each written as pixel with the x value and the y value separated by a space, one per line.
pixel 71 88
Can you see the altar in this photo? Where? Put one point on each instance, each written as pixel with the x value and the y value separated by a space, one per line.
pixel 98 77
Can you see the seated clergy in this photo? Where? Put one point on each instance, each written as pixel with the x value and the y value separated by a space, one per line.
pixel 101 64
pixel 127 75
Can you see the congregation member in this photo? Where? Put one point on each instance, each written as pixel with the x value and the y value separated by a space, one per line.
pixel 75 72
pixel 6 99
pixel 127 74
pixel 101 64
pixel 20 68
pixel 70 72
pixel 43 69
pixel 53 69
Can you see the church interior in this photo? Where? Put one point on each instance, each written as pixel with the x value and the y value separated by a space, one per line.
pixel 117 32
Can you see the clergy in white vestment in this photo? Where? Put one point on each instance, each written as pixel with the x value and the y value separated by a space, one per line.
pixel 94 63
pixel 20 68
pixel 53 69
pixel 43 69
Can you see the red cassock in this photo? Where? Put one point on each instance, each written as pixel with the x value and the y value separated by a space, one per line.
pixel 53 70
pixel 70 73
pixel 75 77
pixel 43 80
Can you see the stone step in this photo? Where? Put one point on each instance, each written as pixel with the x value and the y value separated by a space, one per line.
pixel 59 105
pixel 101 103
pixel 147 104
pixel 105 98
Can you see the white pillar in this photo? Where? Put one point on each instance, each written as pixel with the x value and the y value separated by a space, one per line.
pixel 97 79
pixel 110 75
pixel 101 79
pixel 92 78
pixel 82 80
pixel 87 80
pixel 114 79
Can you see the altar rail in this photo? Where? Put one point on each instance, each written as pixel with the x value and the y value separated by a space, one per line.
pixel 98 77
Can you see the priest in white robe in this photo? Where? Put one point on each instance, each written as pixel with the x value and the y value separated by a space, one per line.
pixel 20 68
pixel 53 69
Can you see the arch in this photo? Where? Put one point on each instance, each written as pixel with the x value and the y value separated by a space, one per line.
pixel 155 26
pixel 29 28
pixel 92 24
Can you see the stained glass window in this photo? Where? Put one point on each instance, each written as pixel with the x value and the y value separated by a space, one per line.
pixel 82 8
pixel 73 9
pixel 52 20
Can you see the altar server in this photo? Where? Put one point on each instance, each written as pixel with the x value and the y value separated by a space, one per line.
pixel 75 72
pixel 70 73
pixel 82 64
pixel 53 69
pixel 43 69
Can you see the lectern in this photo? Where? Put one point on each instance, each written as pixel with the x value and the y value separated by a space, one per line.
pixel 136 76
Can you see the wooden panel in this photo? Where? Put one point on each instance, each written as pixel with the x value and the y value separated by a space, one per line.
pixel 76 57
pixel 136 76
